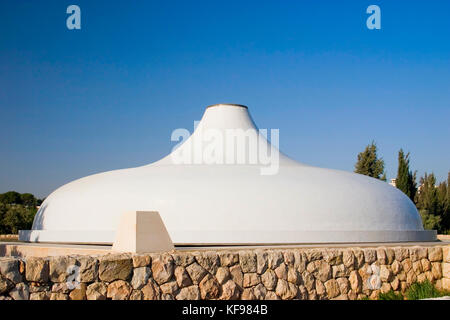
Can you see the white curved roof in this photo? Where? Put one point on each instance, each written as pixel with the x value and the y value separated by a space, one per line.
pixel 205 202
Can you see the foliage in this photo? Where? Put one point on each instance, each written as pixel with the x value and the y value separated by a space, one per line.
pixel 17 218
pixel 369 164
pixel 25 199
pixel 443 195
pixel 424 290
pixel 427 198
pixel 11 197
pixel 406 180
pixel 28 200
pixel 417 291
pixel 433 203
pixel 390 295
pixel 17 211
pixel 430 221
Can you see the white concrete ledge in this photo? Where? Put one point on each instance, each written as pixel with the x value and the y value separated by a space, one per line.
pixel 68 236
pixel 201 237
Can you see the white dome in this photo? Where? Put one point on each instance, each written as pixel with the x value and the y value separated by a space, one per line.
pixel 205 202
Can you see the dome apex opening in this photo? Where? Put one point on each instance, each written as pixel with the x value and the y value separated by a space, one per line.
pixel 227 105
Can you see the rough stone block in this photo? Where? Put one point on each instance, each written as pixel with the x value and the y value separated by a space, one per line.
pixel 9 268
pixel 435 254
pixel 248 261
pixel 115 267
pixel 37 269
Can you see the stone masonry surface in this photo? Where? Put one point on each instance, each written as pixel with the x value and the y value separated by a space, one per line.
pixel 342 274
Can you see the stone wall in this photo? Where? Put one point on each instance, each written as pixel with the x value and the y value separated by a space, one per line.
pixel 352 273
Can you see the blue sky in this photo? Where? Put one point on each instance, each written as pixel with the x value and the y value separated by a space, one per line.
pixel 78 102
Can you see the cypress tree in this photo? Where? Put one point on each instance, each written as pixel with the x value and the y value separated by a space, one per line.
pixel 369 164
pixel 406 180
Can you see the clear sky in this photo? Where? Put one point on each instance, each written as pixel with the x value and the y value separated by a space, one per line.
pixel 108 96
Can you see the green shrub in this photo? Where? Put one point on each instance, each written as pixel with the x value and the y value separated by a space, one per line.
pixel 390 295
pixel 423 290
pixel 417 291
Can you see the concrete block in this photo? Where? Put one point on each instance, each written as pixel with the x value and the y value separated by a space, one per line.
pixel 142 231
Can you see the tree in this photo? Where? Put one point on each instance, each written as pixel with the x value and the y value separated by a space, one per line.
pixel 3 210
pixel 369 164
pixel 18 217
pixel 17 211
pixel 427 202
pixel 406 180
pixel 427 199
pixel 433 202
pixel 28 200
pixel 11 197
pixel 430 221
pixel 443 196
